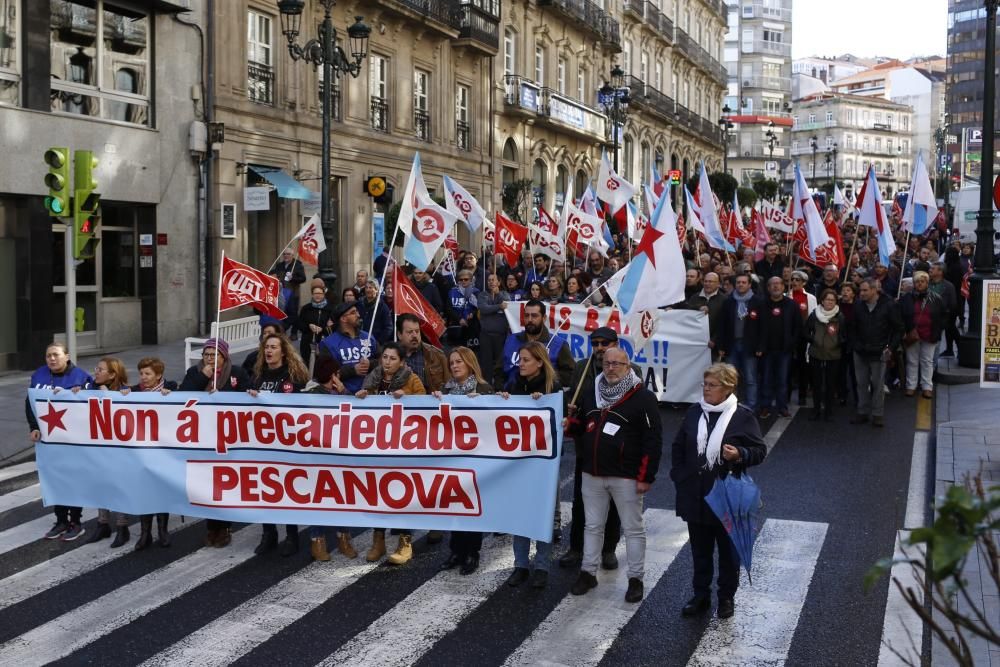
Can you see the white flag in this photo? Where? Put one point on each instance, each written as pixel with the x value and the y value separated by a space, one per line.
pixel 775 218
pixel 804 208
pixel 545 243
pixel 311 241
pixel 611 187
pixel 415 188
pixel 458 200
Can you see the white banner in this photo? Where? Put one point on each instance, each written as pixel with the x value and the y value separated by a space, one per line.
pixel 678 347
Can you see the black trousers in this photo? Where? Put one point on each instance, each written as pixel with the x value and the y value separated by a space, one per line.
pixel 67 514
pixel 291 530
pixel 801 366
pixel 824 381
pixel 612 529
pixel 847 384
pixel 704 538
pixel 463 543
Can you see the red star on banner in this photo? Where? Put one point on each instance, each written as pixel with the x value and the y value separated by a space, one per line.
pixel 53 418
pixel 649 237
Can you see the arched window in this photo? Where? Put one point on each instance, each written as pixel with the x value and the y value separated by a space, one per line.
pixel 562 176
pixel 539 177
pixel 510 164
pixel 645 159
pixel 580 183
pixel 627 157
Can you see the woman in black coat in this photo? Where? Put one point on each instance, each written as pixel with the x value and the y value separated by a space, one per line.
pixel 698 460
pixel 314 320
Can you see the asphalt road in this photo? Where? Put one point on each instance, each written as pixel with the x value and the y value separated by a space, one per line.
pixel 834 495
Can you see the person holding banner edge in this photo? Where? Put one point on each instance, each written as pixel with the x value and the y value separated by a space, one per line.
pixel 535 377
pixel 279 369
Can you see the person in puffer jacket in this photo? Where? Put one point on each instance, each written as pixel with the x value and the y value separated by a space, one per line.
pixel 619 428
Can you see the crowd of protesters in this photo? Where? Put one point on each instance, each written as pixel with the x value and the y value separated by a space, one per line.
pixel 786 330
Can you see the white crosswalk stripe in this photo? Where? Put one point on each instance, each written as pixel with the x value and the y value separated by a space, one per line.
pixel 581 629
pixel 75 629
pixel 15 499
pixel 37 578
pixel 32 531
pixel 10 472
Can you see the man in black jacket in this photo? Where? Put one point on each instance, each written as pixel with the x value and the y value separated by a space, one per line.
pixel 875 333
pixel 740 342
pixel 619 424
pixel 291 274
pixel 771 265
pixel 710 301
pixel 781 327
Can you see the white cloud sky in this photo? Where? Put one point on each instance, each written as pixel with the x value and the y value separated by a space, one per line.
pixel 893 28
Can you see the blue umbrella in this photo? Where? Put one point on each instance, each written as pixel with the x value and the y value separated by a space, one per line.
pixel 736 501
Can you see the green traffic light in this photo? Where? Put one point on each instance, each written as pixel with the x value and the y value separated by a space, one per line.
pixel 54 205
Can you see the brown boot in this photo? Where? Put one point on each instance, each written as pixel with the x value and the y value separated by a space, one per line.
pixel 318 550
pixel 403 553
pixel 223 538
pixel 211 535
pixel 378 547
pixel 344 545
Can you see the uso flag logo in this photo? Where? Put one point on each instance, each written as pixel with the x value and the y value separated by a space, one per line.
pixel 242 285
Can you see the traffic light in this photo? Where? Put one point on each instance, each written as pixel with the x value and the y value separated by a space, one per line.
pixel 86 204
pixel 57 181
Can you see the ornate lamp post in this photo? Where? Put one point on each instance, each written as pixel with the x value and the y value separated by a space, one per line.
pixel 970 344
pixel 724 127
pixel 831 162
pixel 814 144
pixel 614 99
pixel 324 51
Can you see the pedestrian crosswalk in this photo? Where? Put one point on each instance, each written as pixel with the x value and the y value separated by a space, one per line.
pixel 226 606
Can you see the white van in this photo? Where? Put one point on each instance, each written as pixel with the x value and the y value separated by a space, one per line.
pixel 965 204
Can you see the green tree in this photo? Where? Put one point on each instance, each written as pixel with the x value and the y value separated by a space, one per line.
pixel 966 525
pixel 766 188
pixel 747 196
pixel 517 198
pixel 723 185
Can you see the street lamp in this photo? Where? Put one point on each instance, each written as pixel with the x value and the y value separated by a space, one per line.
pixel 323 51
pixel 614 99
pixel 831 161
pixel 970 344
pixel 772 139
pixel 944 165
pixel 814 143
pixel 725 126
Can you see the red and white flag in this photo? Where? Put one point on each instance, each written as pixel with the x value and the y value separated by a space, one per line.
pixel 775 218
pixel 408 299
pixel 762 236
pixel 510 238
pixel 242 285
pixel 541 241
pixel 612 188
pixel 311 241
pixel 831 252
pixel 583 229
pixel 546 222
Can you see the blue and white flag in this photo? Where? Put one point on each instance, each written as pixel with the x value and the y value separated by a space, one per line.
pixel 921 206
pixel 655 276
pixel 431 225
pixel 709 216
pixel 458 200
pixel 414 185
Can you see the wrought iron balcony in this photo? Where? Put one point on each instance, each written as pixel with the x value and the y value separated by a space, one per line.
pixel 422 124
pixel 380 114
pixel 521 94
pixel 634 8
pixel 334 100
pixel 642 95
pixel 479 25
pixel 685 45
pixel 780 83
pixel 463 135
pixel 589 16
pixel 444 15
pixel 260 83
pixel 658 20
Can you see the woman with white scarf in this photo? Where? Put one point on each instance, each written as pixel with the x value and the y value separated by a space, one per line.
pixel 717 437
pixel 826 334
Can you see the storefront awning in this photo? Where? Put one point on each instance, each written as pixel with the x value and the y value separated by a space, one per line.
pixel 288 187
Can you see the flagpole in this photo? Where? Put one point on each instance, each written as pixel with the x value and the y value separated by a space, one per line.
pixel 902 265
pixel 381 286
pixel 850 258
pixel 218 327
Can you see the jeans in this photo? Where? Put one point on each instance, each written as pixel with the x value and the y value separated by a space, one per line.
pixel 597 494
pixel 543 553
pixel 705 538
pixel 612 529
pixel 871 379
pixel 774 389
pixel 745 362
pixel 920 365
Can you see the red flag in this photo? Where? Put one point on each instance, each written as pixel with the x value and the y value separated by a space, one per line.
pixel 547 222
pixel 242 285
pixel 965 282
pixel 831 252
pixel 407 299
pixel 510 238
pixel 681 230
pixel 762 236
pixel 451 245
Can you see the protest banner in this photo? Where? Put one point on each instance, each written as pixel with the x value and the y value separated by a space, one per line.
pixel 484 464
pixel 679 344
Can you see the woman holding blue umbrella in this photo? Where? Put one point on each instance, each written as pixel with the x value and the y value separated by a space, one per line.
pixel 718 437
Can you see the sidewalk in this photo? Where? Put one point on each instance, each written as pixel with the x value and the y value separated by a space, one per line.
pixel 968 437
pixel 15 446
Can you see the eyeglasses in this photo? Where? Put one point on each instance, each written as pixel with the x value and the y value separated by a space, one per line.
pixel 615 364
pixel 712 385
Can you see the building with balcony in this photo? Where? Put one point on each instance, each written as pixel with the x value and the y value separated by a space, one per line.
pixel 964 101
pixel 424 87
pixel 121 80
pixel 758 50
pixel 837 136
pixel 557 54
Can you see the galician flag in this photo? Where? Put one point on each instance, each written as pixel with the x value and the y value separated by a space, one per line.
pixel 414 186
pixel 804 209
pixel 871 214
pixel 694 213
pixel 611 187
pixel 921 207
pixel 655 276
pixel 709 216
pixel 656 183
pixel 458 200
